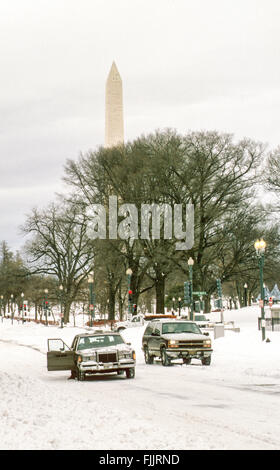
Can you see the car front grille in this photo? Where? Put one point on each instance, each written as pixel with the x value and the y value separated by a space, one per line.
pixel 191 344
pixel 107 357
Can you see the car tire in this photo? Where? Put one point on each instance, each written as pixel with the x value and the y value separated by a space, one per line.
pixel 130 373
pixel 148 358
pixel 187 360
pixel 81 376
pixel 206 361
pixel 121 329
pixel 164 358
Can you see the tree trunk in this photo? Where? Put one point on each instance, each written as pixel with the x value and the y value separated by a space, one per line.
pixel 207 304
pixel 111 307
pixel 120 302
pixel 160 289
pixel 66 310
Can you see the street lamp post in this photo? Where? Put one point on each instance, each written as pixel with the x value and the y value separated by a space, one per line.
pixel 61 305
pixel 12 311
pixel 46 305
pixel 22 308
pixel 260 246
pixel 190 264
pixel 245 294
pixel 91 306
pixel 179 305
pixel 129 274
pixel 1 308
pixel 173 305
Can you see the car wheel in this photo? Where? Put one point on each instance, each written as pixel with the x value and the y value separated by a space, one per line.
pixel 206 361
pixel 187 360
pixel 81 376
pixel 130 373
pixel 121 329
pixel 148 358
pixel 164 358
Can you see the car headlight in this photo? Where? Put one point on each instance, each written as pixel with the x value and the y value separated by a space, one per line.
pixel 172 343
pixel 87 358
pixel 207 343
pixel 125 354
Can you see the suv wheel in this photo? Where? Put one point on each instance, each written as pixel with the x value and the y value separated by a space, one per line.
pixel 148 358
pixel 164 358
pixel 206 361
pixel 130 373
pixel 81 376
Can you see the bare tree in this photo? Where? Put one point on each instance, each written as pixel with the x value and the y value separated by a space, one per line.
pixel 59 246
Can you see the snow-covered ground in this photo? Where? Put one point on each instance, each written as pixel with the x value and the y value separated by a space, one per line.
pixel 233 404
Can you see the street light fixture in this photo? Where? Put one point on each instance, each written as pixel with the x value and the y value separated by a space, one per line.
pixel 61 307
pixel 1 307
pixel 260 246
pixel 245 294
pixel 129 274
pixel 22 309
pixel 46 305
pixel 12 311
pixel 190 264
pixel 91 300
pixel 179 303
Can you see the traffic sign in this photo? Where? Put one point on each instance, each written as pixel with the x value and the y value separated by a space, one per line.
pixel 199 293
pixel 261 303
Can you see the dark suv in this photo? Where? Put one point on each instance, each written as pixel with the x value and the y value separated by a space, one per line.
pixel 175 339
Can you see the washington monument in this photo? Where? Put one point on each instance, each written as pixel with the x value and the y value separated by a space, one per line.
pixel 114 128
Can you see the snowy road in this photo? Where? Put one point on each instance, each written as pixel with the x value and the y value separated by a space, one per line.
pixel 180 407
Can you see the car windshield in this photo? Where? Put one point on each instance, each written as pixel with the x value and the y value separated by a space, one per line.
pixel 200 318
pixel 180 328
pixel 100 341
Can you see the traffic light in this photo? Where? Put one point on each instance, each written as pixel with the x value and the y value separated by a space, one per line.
pixel 220 294
pixel 187 292
pixel 219 287
pixel 134 309
pixel 130 295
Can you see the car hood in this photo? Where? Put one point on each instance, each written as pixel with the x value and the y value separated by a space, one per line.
pixel 108 349
pixel 184 336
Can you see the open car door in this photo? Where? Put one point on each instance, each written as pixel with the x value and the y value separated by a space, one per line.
pixel 59 355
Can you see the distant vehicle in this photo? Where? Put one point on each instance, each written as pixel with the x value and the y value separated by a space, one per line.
pixel 175 339
pixel 98 352
pixel 202 321
pixel 136 320
pixel 139 320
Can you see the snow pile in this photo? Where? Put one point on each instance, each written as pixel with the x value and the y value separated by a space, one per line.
pixel 233 404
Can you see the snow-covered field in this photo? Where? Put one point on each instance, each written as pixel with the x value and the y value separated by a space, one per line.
pixel 233 404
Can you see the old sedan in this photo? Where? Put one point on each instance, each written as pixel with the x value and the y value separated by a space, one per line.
pixel 98 352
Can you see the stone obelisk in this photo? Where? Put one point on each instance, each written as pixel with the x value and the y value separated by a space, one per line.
pixel 114 128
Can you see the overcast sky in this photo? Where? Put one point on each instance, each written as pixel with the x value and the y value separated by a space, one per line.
pixel 189 65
